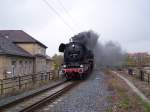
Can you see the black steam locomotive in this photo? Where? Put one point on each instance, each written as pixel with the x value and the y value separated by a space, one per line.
pixel 78 59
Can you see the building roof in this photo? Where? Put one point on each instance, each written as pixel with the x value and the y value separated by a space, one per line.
pixel 9 48
pixel 139 54
pixel 48 58
pixel 19 36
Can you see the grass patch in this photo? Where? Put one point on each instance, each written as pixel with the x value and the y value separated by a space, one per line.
pixel 109 110
pixel 124 100
pixel 145 104
pixel 124 103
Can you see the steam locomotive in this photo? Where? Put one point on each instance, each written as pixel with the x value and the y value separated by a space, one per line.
pixel 78 59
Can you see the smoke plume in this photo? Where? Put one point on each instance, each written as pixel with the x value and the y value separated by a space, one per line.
pixel 109 54
pixel 89 39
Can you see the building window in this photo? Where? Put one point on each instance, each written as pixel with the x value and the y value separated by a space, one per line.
pixel 21 67
pixel 39 51
pixel 13 68
pixel 30 67
pixel 20 61
pixel 26 67
pixel 13 63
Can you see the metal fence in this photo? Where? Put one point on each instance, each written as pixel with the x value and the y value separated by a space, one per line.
pixel 10 85
pixel 142 74
pixel 146 76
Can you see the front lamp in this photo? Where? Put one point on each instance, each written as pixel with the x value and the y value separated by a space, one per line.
pixel 81 66
pixel 64 66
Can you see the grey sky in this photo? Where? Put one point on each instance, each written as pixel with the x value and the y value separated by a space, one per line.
pixel 124 21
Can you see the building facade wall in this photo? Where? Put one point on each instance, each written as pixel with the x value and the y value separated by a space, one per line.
pixel 39 50
pixel 11 66
pixel 2 63
pixel 40 64
pixel 29 47
pixel 15 66
pixel 33 48
pixel 49 65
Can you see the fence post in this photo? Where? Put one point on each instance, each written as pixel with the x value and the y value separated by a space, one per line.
pixel 41 77
pixel 141 75
pixel 148 78
pixel 33 78
pixel 19 81
pixel 2 88
pixel 45 76
pixel 53 75
pixel 49 77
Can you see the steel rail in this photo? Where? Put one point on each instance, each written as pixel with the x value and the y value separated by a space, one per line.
pixel 42 97
pixel 49 99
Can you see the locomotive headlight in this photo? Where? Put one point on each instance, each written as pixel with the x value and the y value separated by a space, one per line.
pixel 73 45
pixel 81 66
pixel 64 66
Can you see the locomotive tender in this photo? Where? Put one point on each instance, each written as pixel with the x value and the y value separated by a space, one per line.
pixel 78 59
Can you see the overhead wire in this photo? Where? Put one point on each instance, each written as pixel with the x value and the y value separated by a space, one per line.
pixel 55 11
pixel 66 11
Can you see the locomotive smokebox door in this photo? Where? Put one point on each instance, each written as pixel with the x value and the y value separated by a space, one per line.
pixel 62 47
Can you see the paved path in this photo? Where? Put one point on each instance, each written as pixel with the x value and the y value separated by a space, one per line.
pixel 90 96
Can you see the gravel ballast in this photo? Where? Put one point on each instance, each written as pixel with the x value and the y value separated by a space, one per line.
pixel 89 96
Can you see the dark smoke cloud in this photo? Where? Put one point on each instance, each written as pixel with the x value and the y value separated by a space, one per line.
pixel 109 54
pixel 89 39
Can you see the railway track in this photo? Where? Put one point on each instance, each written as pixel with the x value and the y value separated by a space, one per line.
pixel 32 102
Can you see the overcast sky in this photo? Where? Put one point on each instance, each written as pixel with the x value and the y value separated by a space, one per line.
pixel 123 21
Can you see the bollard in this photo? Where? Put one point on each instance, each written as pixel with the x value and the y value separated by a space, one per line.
pixel 130 71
